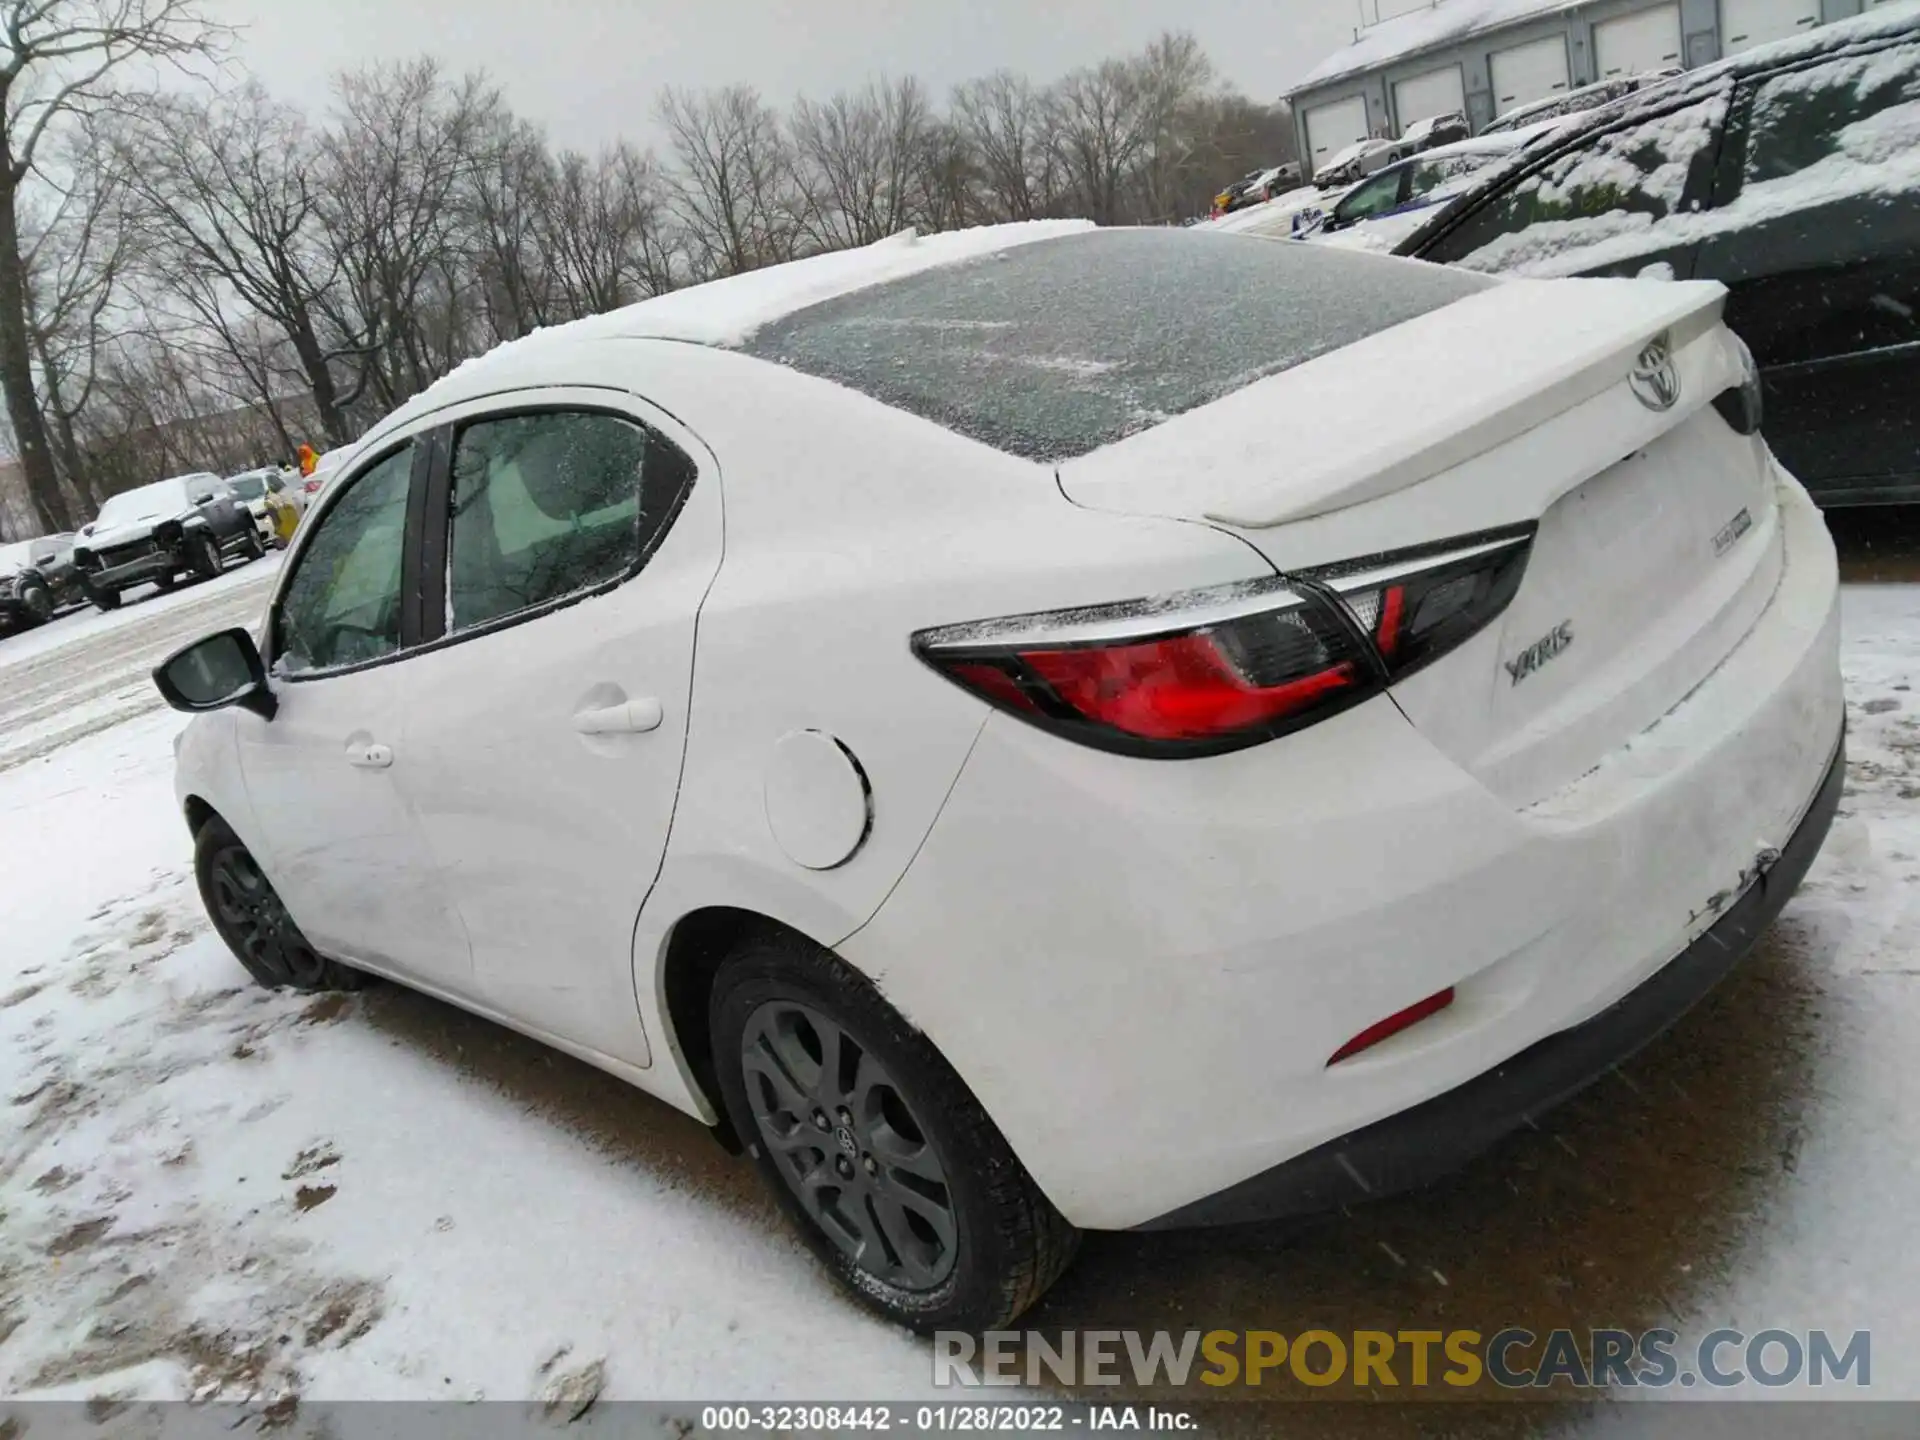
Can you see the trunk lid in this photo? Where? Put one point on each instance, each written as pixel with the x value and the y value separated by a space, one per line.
pixel 1657 544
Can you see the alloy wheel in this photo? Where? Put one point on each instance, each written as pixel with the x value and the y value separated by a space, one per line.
pixel 253 920
pixel 849 1146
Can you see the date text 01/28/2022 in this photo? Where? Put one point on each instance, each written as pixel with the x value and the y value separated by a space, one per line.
pixel 948 1417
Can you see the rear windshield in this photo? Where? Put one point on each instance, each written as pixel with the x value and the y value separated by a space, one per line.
pixel 1053 349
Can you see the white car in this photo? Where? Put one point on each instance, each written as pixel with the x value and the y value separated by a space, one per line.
pixel 905 709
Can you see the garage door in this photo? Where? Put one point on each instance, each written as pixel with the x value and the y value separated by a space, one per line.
pixel 1528 72
pixel 1637 43
pixel 1437 92
pixel 1747 23
pixel 1332 128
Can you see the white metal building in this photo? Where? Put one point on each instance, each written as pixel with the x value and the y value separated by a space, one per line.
pixel 1485 57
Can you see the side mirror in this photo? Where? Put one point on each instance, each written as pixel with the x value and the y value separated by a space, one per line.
pixel 211 674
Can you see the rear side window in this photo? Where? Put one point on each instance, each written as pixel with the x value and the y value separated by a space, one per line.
pixel 1850 114
pixel 1600 203
pixel 1053 349
pixel 553 504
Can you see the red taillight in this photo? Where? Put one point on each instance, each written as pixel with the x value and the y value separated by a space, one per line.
pixel 1197 674
pixel 1393 1025
pixel 1177 689
pixel 1217 670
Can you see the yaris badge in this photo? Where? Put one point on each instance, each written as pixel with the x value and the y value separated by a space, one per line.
pixel 1656 380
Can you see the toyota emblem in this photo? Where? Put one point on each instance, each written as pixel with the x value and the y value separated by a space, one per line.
pixel 1656 380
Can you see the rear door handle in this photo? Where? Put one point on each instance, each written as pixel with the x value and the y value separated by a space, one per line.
pixel 631 717
pixel 370 756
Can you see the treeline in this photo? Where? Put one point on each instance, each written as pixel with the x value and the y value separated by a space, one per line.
pixel 294 272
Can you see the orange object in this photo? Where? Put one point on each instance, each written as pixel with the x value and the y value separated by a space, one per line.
pixel 309 457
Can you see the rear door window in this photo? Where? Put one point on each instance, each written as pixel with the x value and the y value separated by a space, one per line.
pixel 1609 203
pixel 551 505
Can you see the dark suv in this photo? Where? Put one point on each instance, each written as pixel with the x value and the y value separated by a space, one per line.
pixel 1790 174
pixel 186 526
pixel 37 577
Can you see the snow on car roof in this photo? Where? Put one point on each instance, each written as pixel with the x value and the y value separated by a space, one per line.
pixel 728 311
pixel 1419 30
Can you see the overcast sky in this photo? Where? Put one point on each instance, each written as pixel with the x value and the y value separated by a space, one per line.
pixel 589 69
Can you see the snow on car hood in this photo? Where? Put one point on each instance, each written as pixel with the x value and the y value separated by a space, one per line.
pixel 1385 413
pixel 105 536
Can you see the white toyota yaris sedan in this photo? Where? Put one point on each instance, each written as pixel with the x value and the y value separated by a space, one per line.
pixel 1041 729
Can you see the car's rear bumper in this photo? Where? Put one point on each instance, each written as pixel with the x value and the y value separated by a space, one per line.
pixel 1432 1139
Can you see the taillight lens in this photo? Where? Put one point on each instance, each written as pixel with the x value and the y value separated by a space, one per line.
pixel 1211 671
pixel 1416 607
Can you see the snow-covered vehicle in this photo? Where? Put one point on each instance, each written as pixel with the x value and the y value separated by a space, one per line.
pixel 37 577
pixel 1256 188
pixel 1388 206
pixel 1283 215
pixel 1791 174
pixel 185 526
pixel 1434 132
pixel 1574 102
pixel 1046 803
pixel 1357 161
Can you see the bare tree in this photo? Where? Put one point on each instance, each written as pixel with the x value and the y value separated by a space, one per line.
pixel 601 231
pixel 1101 125
pixel 1172 78
pixel 1009 127
pixel 77 265
pixel 59 58
pixel 395 168
pixel 857 158
pixel 232 212
pixel 734 190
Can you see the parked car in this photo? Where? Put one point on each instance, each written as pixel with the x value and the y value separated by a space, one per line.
pixel 277 503
pixel 1277 216
pixel 1574 102
pixel 1255 188
pixel 1356 162
pixel 1787 173
pixel 1391 204
pixel 37 578
pixel 1434 132
pixel 1048 758
pixel 183 527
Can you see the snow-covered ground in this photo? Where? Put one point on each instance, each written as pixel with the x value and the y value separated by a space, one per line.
pixel 207 1189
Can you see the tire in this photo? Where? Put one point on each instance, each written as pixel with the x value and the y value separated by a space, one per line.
pixel 248 915
pixel 203 555
pixel 934 1222
pixel 37 601
pixel 105 599
pixel 252 546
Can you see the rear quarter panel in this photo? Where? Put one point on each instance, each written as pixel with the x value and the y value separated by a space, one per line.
pixel 849 525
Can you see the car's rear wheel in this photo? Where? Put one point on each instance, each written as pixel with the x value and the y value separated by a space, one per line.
pixel 37 601
pixel 104 599
pixel 203 553
pixel 252 546
pixel 249 915
pixel 876 1150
